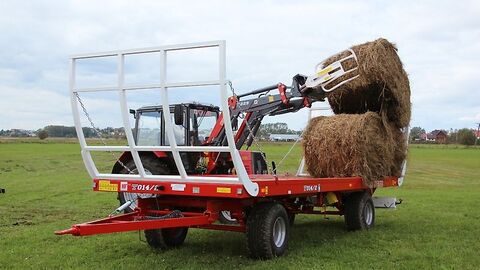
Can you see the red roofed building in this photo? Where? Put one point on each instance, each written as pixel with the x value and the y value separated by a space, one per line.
pixel 439 136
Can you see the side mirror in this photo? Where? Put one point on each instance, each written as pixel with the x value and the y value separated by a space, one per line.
pixel 134 113
pixel 178 114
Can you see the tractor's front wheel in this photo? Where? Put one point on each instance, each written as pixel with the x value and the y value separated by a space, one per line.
pixel 166 238
pixel 152 165
pixel 268 230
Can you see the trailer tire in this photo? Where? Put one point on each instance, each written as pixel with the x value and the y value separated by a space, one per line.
pixel 152 165
pixel 267 231
pixel 359 211
pixel 166 238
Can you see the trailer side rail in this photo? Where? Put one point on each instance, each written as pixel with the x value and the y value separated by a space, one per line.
pixel 164 87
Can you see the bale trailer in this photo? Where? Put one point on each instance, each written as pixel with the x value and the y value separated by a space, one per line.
pixel 182 180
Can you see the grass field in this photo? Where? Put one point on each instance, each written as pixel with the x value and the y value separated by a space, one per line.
pixel 436 227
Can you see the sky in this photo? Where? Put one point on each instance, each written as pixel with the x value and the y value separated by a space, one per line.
pixel 267 42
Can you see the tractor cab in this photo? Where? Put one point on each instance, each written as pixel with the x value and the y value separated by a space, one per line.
pixel 193 123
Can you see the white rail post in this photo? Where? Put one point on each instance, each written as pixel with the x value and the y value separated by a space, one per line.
pixel 87 157
pixel 125 116
pixel 164 87
pixel 251 187
pixel 167 117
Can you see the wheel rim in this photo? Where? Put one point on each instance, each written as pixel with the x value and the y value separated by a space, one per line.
pixel 226 215
pixel 279 232
pixel 368 214
pixel 133 197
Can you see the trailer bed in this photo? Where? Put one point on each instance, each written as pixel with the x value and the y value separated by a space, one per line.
pixel 269 186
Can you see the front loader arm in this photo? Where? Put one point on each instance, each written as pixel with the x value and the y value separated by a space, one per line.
pixel 254 109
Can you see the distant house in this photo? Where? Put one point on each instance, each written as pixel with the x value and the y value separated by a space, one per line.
pixel 477 133
pixel 284 137
pixel 439 136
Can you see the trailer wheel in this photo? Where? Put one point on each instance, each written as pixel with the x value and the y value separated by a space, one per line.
pixel 165 238
pixel 268 231
pixel 359 211
pixel 152 165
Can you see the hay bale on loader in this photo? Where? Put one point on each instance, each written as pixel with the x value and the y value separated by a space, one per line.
pixel 382 85
pixel 353 145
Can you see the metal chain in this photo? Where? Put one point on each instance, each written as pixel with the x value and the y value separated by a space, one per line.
pixel 231 87
pixel 98 133
pixel 290 150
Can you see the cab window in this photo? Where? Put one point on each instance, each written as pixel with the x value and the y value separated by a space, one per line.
pixel 178 132
pixel 148 130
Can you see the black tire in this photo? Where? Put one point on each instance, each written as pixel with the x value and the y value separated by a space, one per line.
pixel 359 211
pixel 166 238
pixel 264 219
pixel 151 164
pixel 291 219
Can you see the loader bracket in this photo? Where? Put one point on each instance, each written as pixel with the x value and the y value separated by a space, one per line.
pixel 327 78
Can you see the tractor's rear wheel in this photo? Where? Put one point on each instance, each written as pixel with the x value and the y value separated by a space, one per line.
pixel 359 211
pixel 152 165
pixel 268 230
pixel 166 238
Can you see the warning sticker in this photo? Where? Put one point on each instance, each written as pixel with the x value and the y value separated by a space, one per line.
pixel 178 187
pixel 105 185
pixel 123 186
pixel 224 190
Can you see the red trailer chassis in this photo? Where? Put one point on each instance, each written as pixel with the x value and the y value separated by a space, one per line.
pixel 201 203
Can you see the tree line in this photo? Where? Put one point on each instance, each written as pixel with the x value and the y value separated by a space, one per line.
pixel 59 131
pixel 64 132
pixel 463 136
pixel 274 128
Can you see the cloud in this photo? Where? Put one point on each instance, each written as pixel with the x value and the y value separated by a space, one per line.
pixel 267 42
pixel 471 118
pixel 32 108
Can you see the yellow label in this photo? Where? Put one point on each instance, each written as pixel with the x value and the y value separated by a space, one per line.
pixel 224 190
pixel 105 185
pixel 324 71
pixel 271 98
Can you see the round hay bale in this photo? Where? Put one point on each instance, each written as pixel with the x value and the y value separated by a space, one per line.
pixel 382 85
pixel 352 145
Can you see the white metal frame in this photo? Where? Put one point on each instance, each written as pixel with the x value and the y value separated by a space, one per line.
pixel 164 87
pixel 327 75
pixel 406 132
pixel 385 202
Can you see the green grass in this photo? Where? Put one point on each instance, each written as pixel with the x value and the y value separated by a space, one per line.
pixel 436 227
